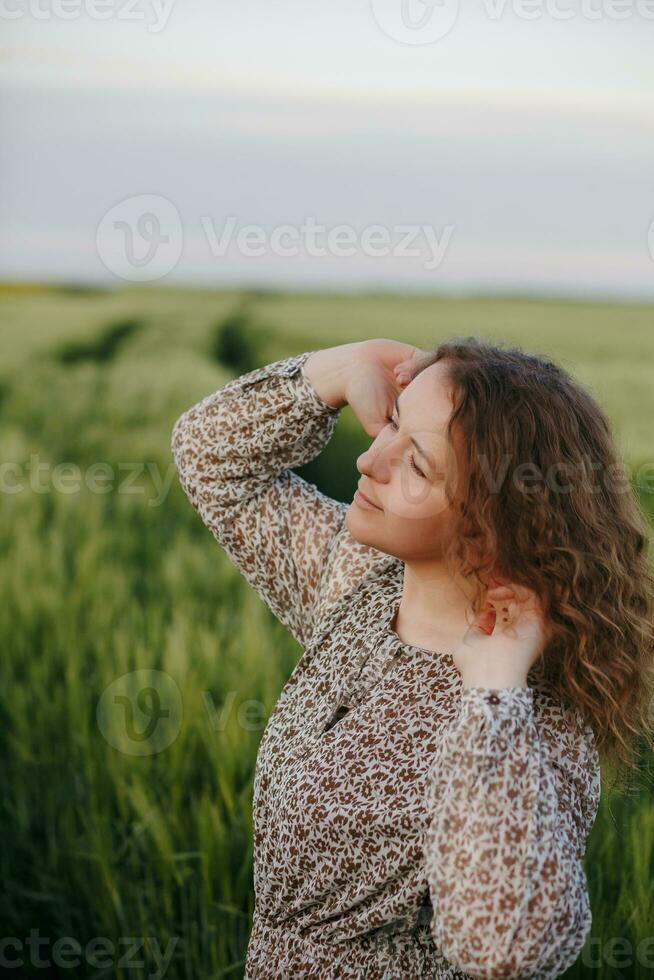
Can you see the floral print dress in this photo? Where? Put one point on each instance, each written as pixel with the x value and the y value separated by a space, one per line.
pixel 403 827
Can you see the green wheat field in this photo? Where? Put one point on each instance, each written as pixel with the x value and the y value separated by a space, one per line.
pixel 131 859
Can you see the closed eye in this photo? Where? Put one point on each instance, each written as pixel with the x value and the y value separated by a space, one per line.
pixel 411 458
pixel 417 468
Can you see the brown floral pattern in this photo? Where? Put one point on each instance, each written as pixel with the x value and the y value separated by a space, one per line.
pixel 422 830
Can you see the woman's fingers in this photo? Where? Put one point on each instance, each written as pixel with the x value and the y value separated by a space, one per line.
pixel 506 611
pixel 402 373
pixel 500 588
pixel 484 622
pixel 406 370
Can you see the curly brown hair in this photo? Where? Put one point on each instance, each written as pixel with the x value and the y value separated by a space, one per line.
pixel 582 547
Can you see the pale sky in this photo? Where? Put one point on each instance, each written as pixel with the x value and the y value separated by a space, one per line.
pixel 520 151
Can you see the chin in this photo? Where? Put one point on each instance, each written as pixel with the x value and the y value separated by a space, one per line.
pixel 357 525
pixel 351 522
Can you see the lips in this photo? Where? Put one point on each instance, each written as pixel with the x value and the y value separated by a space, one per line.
pixel 366 497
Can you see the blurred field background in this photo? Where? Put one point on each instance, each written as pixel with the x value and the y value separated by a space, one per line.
pixel 100 843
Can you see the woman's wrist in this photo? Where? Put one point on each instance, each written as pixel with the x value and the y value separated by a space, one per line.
pixel 329 371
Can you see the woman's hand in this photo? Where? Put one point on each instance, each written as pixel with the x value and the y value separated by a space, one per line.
pixel 367 375
pixel 379 371
pixel 505 640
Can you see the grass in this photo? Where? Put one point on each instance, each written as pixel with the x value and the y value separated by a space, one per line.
pixel 108 570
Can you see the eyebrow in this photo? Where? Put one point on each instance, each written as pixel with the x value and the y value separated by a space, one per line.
pixel 418 447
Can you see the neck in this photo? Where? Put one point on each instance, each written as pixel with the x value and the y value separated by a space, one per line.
pixel 433 608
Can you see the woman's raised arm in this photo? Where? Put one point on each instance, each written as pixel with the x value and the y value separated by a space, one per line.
pixel 234 451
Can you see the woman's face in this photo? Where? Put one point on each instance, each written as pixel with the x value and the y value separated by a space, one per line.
pixel 413 518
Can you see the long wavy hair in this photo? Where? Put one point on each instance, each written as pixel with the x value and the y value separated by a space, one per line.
pixel 568 525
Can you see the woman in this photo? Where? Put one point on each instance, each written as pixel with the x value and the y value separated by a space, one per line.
pixel 474 630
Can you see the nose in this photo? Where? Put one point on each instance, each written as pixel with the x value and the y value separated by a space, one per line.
pixel 376 461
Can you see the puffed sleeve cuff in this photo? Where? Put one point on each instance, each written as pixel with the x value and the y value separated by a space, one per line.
pixel 491 718
pixel 497 703
pixel 235 441
pixel 291 368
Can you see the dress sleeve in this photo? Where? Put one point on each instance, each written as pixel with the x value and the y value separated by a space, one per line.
pixel 513 794
pixel 233 452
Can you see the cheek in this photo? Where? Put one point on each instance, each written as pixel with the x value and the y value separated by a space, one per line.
pixel 415 499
